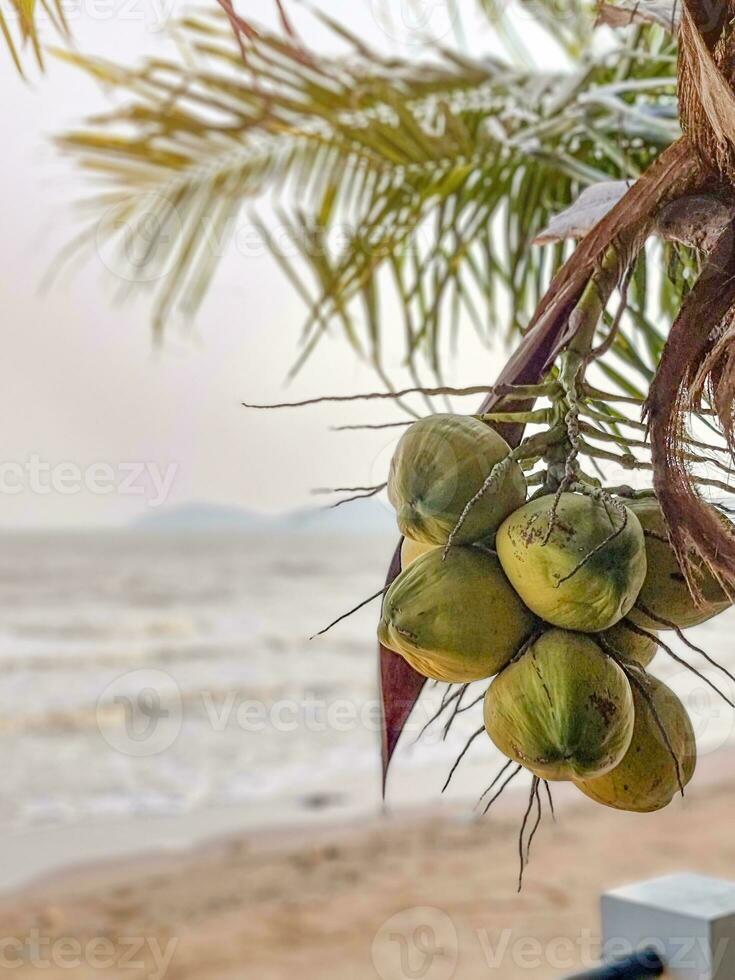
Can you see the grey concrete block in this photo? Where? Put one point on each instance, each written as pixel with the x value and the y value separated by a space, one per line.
pixel 689 919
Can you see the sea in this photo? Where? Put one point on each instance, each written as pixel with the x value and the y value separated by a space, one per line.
pixel 155 675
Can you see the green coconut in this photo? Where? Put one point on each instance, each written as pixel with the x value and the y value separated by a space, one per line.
pixel 629 644
pixel 646 779
pixel 581 576
pixel 563 709
pixel 438 466
pixel 411 550
pixel 457 619
pixel 665 592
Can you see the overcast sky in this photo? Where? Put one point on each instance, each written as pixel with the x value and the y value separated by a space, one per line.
pixel 82 383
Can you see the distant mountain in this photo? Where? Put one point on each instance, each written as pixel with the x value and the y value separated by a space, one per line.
pixel 359 517
pixel 368 516
pixel 201 517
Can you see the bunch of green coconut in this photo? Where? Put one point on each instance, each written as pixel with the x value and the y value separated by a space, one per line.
pixel 559 598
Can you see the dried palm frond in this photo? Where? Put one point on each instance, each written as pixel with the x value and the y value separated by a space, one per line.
pixel 19 27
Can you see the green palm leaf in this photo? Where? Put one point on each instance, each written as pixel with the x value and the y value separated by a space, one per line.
pixel 423 181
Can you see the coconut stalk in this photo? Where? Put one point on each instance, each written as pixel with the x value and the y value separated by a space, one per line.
pixel 698 363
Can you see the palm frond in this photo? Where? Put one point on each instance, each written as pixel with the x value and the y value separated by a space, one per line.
pixel 19 27
pixel 423 180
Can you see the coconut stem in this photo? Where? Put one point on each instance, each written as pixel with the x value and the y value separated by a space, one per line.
pixel 591 306
pixel 607 343
pixel 596 395
pixel 642 427
pixel 629 462
pixel 534 445
pixel 539 416
pixel 379 425
pixel 517 391
pixel 583 322
pixel 595 433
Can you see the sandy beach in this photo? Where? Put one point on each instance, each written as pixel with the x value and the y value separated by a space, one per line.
pixel 333 901
pixel 233 851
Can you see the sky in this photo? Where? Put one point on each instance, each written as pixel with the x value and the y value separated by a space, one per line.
pixel 99 425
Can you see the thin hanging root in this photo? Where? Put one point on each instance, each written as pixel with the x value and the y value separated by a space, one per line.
pixel 641 687
pixel 524 647
pixel 680 660
pixel 446 696
pixel 527 814
pixel 494 782
pixel 450 721
pixel 603 544
pixel 461 756
pixel 505 782
pixel 381 425
pixel 631 672
pixel 447 699
pixel 519 391
pixel 339 619
pixel 496 474
pixel 551 802
pixel 535 445
pixel 672 626
pixel 359 496
pixel 319 491
pixel 538 820
pixel 468 707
